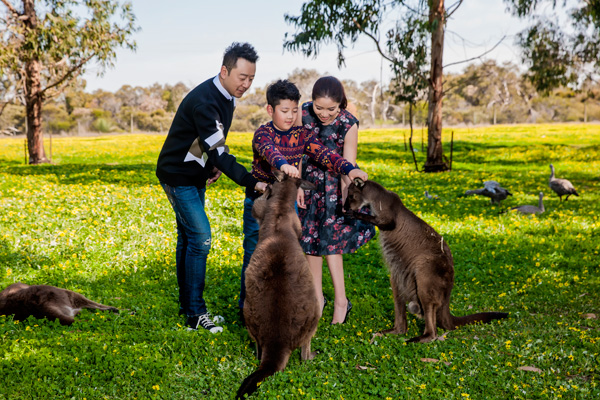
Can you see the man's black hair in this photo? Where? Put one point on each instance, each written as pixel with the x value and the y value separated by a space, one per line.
pixel 282 90
pixel 238 50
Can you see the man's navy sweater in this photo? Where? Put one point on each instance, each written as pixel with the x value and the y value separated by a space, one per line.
pixel 195 143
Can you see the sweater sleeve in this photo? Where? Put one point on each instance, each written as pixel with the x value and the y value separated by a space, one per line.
pixel 212 148
pixel 316 150
pixel 264 145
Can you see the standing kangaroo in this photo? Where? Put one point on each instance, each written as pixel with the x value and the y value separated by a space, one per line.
pixel 45 301
pixel 420 262
pixel 281 309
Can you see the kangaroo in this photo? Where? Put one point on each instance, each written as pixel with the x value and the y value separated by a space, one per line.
pixel 281 309
pixel 419 260
pixel 42 301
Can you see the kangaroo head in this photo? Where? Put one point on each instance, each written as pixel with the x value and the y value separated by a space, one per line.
pixel 300 183
pixel 356 198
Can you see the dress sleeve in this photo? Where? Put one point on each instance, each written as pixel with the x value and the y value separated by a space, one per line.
pixel 347 120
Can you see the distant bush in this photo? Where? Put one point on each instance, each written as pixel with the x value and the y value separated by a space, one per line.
pixel 58 126
pixel 102 125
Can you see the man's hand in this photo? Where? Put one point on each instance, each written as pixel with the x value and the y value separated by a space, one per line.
pixel 300 198
pixel 290 170
pixel 260 187
pixel 214 175
pixel 357 173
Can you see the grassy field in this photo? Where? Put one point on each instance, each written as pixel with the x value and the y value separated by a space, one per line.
pixel 97 222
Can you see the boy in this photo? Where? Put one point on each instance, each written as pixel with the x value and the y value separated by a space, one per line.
pixel 279 144
pixel 192 157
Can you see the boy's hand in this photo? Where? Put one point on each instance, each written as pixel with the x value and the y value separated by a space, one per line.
pixel 357 173
pixel 260 187
pixel 214 175
pixel 300 198
pixel 290 170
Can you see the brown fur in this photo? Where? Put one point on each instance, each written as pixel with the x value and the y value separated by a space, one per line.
pixel 42 301
pixel 420 262
pixel 281 309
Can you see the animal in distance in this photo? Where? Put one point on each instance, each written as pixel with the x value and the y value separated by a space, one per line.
pixel 560 186
pixel 43 301
pixel 527 209
pixel 491 189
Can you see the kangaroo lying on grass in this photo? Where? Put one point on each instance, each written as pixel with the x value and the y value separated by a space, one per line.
pixel 45 301
pixel 281 309
pixel 420 262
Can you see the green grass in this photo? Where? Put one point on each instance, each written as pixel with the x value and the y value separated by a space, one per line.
pixel 97 222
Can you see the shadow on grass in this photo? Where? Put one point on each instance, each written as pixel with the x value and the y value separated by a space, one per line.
pixel 84 174
pixel 480 153
pixel 529 269
pixel 19 261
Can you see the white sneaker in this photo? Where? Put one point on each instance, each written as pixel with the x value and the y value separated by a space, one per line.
pixel 205 321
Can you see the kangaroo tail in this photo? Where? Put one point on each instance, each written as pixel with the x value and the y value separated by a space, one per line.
pixel 449 322
pixel 266 368
pixel 485 317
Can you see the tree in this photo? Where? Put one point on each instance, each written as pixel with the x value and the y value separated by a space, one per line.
pixel 413 45
pixel 47 46
pixel 566 53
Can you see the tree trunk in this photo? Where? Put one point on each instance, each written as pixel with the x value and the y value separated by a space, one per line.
pixel 374 103
pixel 33 95
pixel 435 161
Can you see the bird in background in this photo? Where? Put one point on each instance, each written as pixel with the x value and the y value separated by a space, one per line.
pixel 527 209
pixel 493 190
pixel 430 196
pixel 560 186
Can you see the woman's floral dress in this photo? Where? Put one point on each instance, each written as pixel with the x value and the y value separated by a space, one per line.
pixel 325 229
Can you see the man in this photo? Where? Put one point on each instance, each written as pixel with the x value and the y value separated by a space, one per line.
pixel 193 156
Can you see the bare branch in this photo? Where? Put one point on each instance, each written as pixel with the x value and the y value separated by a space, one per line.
pixel 10 7
pixel 72 72
pixel 375 40
pixel 380 50
pixel 3 106
pixel 479 56
pixel 456 6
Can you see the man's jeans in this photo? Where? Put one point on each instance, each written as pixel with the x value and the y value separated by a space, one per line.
pixel 250 240
pixel 193 245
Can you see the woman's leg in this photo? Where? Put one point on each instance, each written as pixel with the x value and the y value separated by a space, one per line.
pixel 315 264
pixel 335 262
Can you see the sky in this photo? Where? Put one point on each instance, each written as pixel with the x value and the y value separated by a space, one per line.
pixel 184 41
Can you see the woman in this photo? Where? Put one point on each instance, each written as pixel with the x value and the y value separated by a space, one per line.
pixel 325 229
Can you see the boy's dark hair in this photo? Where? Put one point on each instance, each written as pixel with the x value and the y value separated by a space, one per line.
pixel 282 90
pixel 238 50
pixel 329 86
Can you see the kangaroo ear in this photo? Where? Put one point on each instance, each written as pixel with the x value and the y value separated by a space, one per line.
pixel 359 183
pixel 279 175
pixel 306 185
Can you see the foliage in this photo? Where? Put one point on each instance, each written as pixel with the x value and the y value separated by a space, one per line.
pixel 64 39
pixel 102 125
pixel 472 97
pixel 405 45
pixel 564 52
pixel 98 222
pixel 46 46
